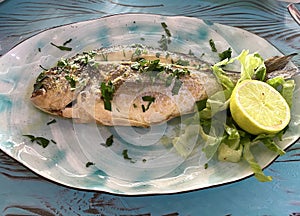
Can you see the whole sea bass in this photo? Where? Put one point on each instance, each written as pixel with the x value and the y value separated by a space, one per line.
pixel 131 86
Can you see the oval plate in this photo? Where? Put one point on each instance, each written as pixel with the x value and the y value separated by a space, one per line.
pixel 154 168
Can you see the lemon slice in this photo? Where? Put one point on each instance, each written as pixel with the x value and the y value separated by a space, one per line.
pixel 259 108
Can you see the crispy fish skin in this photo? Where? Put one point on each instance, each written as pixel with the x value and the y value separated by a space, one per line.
pixel 141 96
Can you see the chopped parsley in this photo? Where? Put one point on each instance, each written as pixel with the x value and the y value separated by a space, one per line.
pixel 88 164
pixel 180 72
pixel 43 68
pixel 137 52
pixel 165 39
pixel 66 42
pixel 165 27
pixel 125 155
pixel 163 42
pixel 71 81
pixel 39 140
pixel 225 54
pixel 62 63
pixel 39 81
pixel 148 99
pixel 205 165
pixel 212 45
pixel 144 65
pixel 107 91
pixel 109 141
pixel 51 122
pixel 222 55
pixel 182 62
pixel 63 48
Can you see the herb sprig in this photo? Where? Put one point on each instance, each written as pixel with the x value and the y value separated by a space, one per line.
pixel 107 91
pixel 63 48
pixel 148 99
pixel 39 140
pixel 109 141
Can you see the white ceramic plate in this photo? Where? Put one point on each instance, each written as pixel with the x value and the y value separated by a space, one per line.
pixel 157 168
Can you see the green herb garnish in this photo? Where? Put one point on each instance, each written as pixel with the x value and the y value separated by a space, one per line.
pixel 39 81
pixel 165 27
pixel 51 122
pixel 225 54
pixel 182 62
pixel 107 91
pixel 63 48
pixel 148 99
pixel 125 155
pixel 88 164
pixel 66 42
pixel 212 45
pixel 180 72
pixel 39 140
pixel 71 81
pixel 205 165
pixel 62 63
pixel 45 69
pixel 165 39
pixel 109 141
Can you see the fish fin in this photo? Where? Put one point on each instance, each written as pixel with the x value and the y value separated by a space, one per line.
pixel 278 62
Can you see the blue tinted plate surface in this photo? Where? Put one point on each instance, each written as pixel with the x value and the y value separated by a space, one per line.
pixel 157 168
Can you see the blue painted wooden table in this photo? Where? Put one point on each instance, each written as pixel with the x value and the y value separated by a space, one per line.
pixel 25 193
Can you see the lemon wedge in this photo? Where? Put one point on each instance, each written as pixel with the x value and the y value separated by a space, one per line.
pixel 259 108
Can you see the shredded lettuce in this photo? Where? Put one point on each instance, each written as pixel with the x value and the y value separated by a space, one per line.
pixel 252 65
pixel 185 143
pixel 226 140
pixel 225 153
pixel 256 168
pixel 212 143
pixel 236 143
pixel 285 87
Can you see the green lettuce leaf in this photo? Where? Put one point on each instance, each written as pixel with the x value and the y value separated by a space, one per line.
pixel 285 87
pixel 287 91
pixel 252 65
pixel 212 143
pixel 256 168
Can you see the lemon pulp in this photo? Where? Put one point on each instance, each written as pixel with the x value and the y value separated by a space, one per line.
pixel 259 108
